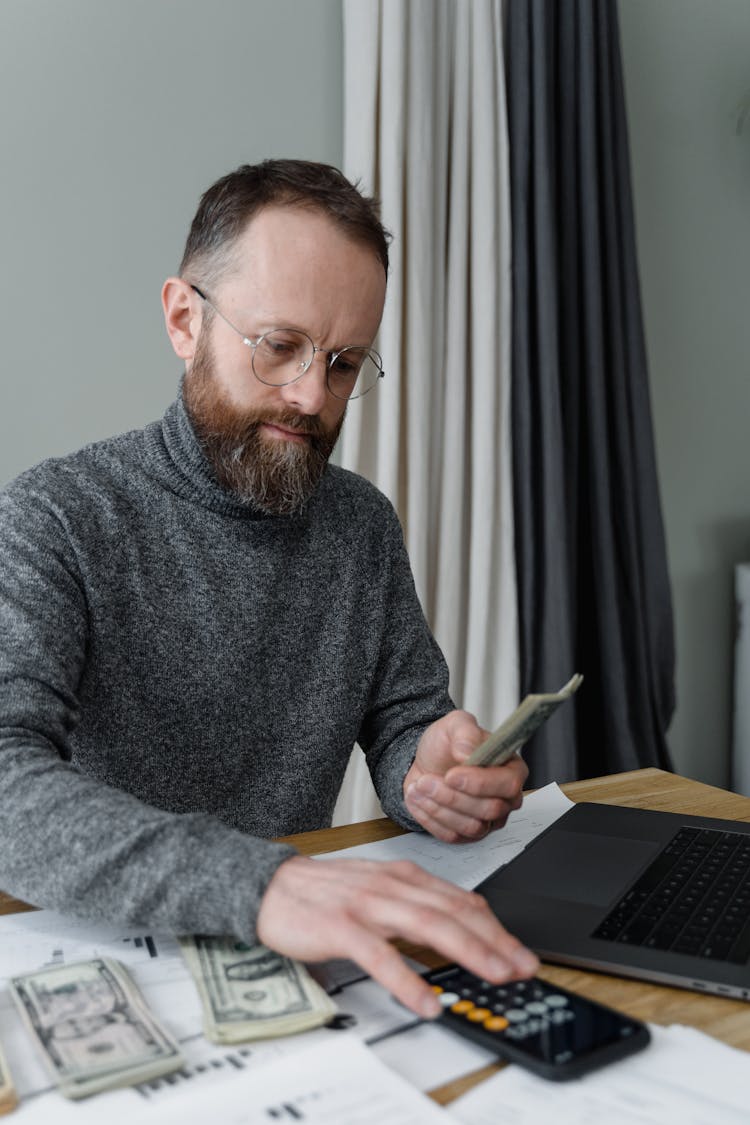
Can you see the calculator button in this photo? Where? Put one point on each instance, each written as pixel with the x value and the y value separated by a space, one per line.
pixel 536 1008
pixel 478 1015
pixel 557 1001
pixel 516 1015
pixel 448 999
pixel 562 1015
pixel 461 1007
pixel 496 1023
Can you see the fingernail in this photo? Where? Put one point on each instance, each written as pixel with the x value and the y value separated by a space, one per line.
pixel 499 967
pixel 426 786
pixel 430 1007
pixel 526 961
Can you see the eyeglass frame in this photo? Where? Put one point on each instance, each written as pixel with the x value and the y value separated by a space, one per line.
pixel 331 356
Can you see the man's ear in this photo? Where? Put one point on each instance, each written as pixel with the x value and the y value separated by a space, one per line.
pixel 183 316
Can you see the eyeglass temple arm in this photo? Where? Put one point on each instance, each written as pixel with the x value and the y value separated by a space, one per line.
pixel 200 293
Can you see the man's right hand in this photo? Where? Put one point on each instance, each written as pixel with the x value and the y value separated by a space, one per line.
pixel 315 909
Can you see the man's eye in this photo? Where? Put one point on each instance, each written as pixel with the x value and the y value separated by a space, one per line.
pixel 278 348
pixel 346 366
pixel 345 370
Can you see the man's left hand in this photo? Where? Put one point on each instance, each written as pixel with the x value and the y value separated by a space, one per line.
pixel 454 802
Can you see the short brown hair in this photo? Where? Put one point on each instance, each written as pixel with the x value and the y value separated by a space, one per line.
pixel 228 206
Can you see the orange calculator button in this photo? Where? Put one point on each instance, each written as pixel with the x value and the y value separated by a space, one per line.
pixel 496 1023
pixel 462 1006
pixel 479 1015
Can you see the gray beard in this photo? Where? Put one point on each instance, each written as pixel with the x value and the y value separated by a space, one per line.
pixel 278 477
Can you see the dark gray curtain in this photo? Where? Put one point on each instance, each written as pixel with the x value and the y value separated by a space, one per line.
pixel 594 592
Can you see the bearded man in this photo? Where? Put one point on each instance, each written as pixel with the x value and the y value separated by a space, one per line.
pixel 201 618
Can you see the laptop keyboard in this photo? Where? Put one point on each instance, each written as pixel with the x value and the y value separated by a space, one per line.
pixel 693 899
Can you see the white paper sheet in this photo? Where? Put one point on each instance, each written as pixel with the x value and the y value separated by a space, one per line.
pixel 332 1083
pixel 468 864
pixel 683 1076
pixel 327 1085
pixel 367 1013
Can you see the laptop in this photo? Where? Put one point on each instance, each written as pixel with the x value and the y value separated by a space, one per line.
pixel 654 895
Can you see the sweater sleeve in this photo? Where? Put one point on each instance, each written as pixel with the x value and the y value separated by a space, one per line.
pixel 410 686
pixel 69 841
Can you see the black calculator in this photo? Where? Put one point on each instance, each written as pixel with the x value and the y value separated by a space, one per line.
pixel 553 1032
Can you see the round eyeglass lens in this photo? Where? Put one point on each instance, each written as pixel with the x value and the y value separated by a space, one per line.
pixel 353 373
pixel 282 356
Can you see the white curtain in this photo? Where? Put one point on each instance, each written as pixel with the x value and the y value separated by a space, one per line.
pixel 425 131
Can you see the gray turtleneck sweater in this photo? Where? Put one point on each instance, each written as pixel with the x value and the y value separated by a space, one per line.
pixel 182 678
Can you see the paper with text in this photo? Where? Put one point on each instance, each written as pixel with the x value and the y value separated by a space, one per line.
pixel 468 864
pixel 683 1076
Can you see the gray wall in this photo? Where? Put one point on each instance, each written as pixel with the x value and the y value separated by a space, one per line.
pixel 687 66
pixel 114 116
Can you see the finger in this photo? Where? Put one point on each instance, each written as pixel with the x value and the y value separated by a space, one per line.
pixel 380 961
pixel 460 826
pixel 481 781
pixel 451 831
pixel 394 880
pixel 460 812
pixel 472 935
pixel 465 735
pixel 402 900
pixel 404 886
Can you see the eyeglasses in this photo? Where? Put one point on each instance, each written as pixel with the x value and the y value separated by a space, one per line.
pixel 283 355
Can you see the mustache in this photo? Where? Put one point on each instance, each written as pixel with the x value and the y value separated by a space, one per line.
pixel 305 424
pixel 243 425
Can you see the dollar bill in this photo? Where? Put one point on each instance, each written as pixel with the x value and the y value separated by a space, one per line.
pixel 250 992
pixel 8 1095
pixel 93 1027
pixel 518 728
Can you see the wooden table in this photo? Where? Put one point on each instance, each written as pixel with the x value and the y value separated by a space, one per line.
pixel 728 1020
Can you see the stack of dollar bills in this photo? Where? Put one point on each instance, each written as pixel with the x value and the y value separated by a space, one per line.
pixel 517 729
pixel 8 1096
pixel 250 992
pixel 93 1027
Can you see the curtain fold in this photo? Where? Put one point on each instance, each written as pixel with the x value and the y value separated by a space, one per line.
pixel 593 586
pixel 426 131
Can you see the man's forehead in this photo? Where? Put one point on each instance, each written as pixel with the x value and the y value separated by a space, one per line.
pixel 296 229
pixel 295 266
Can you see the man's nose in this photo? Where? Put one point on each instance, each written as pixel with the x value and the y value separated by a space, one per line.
pixel 309 393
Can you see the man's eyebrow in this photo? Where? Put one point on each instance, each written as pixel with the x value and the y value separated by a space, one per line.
pixel 275 325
